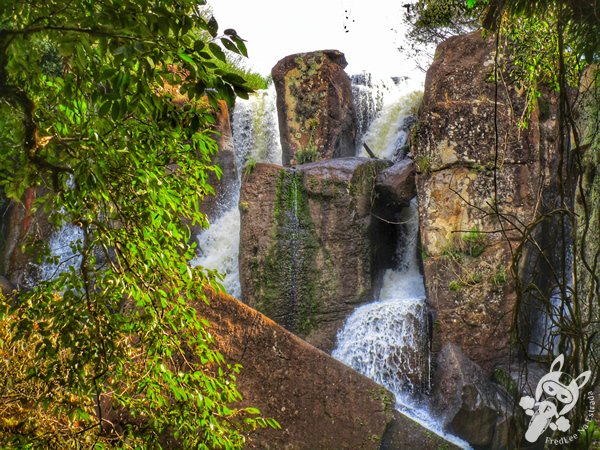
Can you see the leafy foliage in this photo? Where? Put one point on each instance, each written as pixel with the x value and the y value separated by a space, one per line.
pixel 432 21
pixel 106 106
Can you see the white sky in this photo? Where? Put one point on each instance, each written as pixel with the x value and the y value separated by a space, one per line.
pixel 275 29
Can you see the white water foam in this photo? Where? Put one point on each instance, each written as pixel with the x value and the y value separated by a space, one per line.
pixel 61 248
pixel 255 138
pixel 219 249
pixel 385 109
pixel 388 340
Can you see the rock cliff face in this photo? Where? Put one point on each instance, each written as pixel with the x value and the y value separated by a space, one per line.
pixel 465 130
pixel 319 402
pixel 309 247
pixel 315 108
pixel 21 225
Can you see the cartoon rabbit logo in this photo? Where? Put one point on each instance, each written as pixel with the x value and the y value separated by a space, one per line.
pixel 555 395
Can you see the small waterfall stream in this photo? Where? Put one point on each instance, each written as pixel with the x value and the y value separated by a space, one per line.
pixel 387 340
pixel 255 139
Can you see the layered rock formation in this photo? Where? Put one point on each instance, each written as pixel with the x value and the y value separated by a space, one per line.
pixel 481 179
pixel 310 248
pixel 315 108
pixel 319 402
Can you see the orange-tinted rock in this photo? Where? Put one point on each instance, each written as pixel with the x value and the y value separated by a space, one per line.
pixel 20 226
pixel 315 107
pixel 319 402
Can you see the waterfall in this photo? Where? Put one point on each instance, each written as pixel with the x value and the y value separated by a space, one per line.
pixel 255 129
pixel 388 340
pixel 61 250
pixel 219 248
pixel 255 139
pixel 385 110
pixel 547 315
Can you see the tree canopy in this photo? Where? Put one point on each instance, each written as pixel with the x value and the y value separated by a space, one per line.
pixel 106 109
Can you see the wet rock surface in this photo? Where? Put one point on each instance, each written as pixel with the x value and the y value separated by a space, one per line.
pixel 472 407
pixel 310 248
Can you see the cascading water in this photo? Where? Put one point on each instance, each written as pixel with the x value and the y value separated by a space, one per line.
pixel 388 340
pixel 385 110
pixel 256 129
pixel 255 139
pixel 61 246
pixel 546 316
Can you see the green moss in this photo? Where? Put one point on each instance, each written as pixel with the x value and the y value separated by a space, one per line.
pixel 423 164
pixel 455 285
pixel 363 179
pixel 286 290
pixel 499 277
pixel 475 242
pixel 307 155
pixel 503 378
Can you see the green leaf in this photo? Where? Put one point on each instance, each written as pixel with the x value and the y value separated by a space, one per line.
pixel 230 45
pixel 186 58
pixel 241 46
pixel 213 26
pixel 216 50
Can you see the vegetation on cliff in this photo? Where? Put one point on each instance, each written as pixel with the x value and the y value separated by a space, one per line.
pixel 106 114
pixel 547 46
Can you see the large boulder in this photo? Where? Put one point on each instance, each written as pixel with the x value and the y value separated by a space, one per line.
pixel 310 249
pixel 396 185
pixel 315 107
pixel 471 407
pixel 319 402
pixel 477 194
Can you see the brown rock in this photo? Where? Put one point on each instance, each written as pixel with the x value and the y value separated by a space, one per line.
pixel 468 256
pixel 472 408
pixel 310 249
pixel 20 225
pixel 405 433
pixel 319 402
pixel 396 185
pixel 315 107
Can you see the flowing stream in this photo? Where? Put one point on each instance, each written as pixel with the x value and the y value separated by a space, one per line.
pixel 255 139
pixel 387 340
